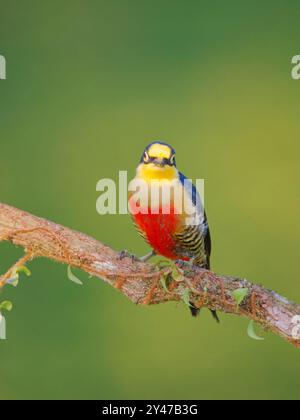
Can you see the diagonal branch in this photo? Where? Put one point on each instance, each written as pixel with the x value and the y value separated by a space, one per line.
pixel 140 281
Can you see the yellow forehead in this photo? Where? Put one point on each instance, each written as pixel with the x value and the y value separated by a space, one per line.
pixel 159 151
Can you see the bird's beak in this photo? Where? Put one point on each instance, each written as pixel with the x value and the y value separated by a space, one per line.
pixel 159 162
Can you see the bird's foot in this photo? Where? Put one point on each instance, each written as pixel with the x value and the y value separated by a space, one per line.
pixel 125 254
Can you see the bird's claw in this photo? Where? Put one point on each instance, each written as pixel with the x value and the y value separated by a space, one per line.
pixel 125 254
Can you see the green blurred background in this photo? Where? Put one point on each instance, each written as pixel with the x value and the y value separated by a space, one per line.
pixel 89 84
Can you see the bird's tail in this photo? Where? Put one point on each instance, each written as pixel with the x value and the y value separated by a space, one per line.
pixel 196 311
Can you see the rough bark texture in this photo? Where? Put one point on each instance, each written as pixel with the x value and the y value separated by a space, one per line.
pixel 140 282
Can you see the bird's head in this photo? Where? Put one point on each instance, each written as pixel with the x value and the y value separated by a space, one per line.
pixel 157 162
pixel 159 154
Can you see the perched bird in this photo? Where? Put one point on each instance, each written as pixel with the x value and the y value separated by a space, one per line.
pixel 174 223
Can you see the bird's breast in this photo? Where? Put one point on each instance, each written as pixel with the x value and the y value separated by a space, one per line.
pixel 159 230
pixel 159 213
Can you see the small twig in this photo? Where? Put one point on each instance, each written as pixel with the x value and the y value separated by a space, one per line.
pixel 22 261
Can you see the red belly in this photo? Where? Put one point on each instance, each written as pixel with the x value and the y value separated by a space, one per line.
pixel 158 230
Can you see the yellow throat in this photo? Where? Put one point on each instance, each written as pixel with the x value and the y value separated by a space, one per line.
pixel 150 172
